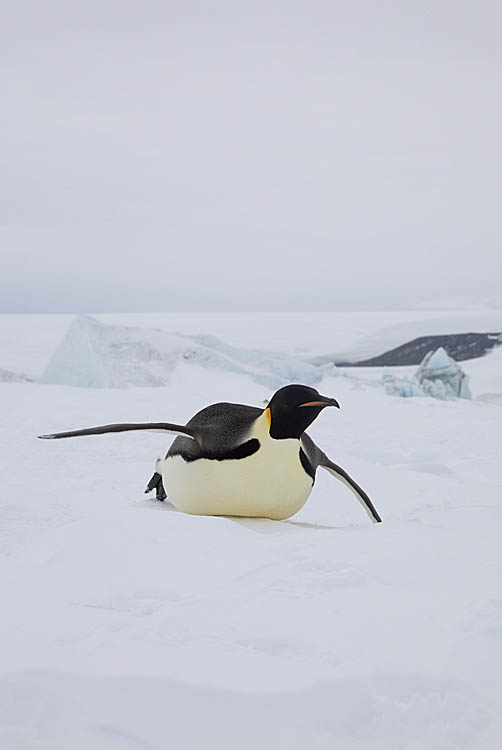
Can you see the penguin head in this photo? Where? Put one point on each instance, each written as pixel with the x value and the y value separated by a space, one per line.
pixel 293 408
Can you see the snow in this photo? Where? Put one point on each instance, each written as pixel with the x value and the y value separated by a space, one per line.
pixel 438 375
pixel 93 354
pixel 485 374
pixel 128 625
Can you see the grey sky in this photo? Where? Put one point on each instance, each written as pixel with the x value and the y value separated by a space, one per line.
pixel 250 155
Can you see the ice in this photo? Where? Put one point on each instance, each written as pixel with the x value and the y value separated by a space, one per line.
pixel 7 376
pixel 312 336
pixel 401 386
pixel 96 355
pixel 438 376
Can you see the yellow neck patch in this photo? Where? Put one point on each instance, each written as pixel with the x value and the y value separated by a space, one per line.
pixel 269 417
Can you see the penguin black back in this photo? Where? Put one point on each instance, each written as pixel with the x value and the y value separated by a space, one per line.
pixel 225 427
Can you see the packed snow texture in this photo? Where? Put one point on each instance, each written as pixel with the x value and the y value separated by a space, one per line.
pixel 129 626
pixel 96 355
pixel 438 376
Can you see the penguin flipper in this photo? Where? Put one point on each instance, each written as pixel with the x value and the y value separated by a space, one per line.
pixel 358 491
pixel 172 429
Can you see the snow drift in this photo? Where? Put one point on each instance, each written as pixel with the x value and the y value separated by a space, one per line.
pixel 96 355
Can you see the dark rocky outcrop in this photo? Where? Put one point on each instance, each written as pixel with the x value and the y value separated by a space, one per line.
pixel 460 346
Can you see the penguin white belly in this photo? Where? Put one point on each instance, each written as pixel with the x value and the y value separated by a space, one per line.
pixel 271 483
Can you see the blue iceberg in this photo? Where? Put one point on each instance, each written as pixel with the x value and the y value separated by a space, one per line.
pixel 438 376
pixel 96 355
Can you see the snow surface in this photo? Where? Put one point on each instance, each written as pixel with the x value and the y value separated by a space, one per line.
pixel 127 625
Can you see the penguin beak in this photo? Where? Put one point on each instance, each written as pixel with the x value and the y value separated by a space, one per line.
pixel 324 402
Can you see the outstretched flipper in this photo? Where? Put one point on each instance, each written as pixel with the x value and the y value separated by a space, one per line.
pixel 318 458
pixel 172 429
pixel 358 491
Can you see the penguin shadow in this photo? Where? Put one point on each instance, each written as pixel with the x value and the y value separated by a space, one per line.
pixel 306 525
pixel 151 503
pixel 260 525
pixel 267 526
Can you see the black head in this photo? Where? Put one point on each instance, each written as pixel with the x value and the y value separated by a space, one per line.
pixel 293 408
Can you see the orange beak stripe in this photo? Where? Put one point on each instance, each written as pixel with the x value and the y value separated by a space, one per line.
pixel 315 403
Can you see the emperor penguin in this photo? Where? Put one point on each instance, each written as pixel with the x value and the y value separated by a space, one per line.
pixel 238 460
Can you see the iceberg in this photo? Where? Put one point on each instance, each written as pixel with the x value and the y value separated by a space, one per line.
pixel 405 387
pixel 438 376
pixel 95 355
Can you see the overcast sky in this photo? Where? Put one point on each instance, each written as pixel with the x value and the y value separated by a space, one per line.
pixel 250 155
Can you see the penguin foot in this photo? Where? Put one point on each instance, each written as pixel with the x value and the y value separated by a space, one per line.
pixel 156 483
